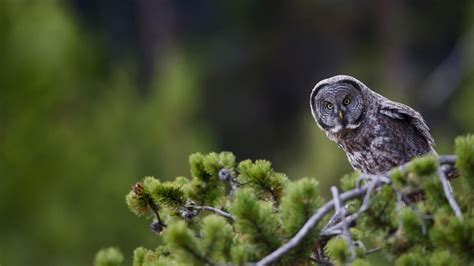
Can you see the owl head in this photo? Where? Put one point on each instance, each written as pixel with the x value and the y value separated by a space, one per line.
pixel 337 103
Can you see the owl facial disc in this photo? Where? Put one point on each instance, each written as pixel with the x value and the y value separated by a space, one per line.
pixel 337 106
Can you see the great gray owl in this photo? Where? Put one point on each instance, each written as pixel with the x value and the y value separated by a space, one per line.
pixel 377 134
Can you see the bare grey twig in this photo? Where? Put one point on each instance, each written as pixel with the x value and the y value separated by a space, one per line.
pixel 228 176
pixel 448 192
pixel 372 251
pixel 335 219
pixel 447 159
pixel 345 228
pixel 214 210
pixel 421 218
pixel 334 229
pixel 311 223
pixel 399 209
pixel 348 195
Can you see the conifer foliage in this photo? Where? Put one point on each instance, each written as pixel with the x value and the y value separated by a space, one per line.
pixel 237 213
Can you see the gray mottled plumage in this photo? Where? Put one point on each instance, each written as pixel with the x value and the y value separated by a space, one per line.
pixel 377 134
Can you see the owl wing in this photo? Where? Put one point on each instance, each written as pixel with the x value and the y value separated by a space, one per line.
pixel 402 112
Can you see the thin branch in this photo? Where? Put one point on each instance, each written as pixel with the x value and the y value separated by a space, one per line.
pixel 321 261
pixel 334 229
pixel 311 224
pixel 448 192
pixel 421 217
pixel 335 219
pixel 372 251
pixel 214 210
pixel 399 209
pixel 447 159
pixel 345 228
pixel 228 176
pixel 155 210
pixel 233 187
pixel 329 206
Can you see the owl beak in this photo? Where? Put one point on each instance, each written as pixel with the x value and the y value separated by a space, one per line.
pixel 341 115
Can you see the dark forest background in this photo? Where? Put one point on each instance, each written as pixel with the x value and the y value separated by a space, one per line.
pixel 96 94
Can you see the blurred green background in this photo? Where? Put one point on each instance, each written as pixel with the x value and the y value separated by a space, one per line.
pixel 96 94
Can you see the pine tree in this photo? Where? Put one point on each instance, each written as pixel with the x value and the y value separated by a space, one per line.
pixel 231 213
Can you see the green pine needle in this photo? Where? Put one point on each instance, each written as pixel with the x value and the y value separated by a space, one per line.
pixel 196 163
pixel 300 202
pixel 268 209
pixel 338 250
pixel 214 162
pixel 449 232
pixel 256 221
pixel 360 262
pixel 217 238
pixel 138 205
pixel 108 257
pixel 424 166
pixel 465 161
pixel 260 176
pixel 411 259
pixel 443 257
pixel 186 247
pixel 241 254
pixel 144 257
pixel 168 194
pixel 411 226
pixel 349 181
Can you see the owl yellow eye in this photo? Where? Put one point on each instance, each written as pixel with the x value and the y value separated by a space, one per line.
pixel 329 106
pixel 346 101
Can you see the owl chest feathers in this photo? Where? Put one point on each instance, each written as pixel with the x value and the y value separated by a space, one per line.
pixel 380 143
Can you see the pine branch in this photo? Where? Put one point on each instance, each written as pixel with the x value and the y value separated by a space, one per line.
pixel 311 224
pixel 214 210
pixel 268 209
pixel 349 195
pixel 335 228
pixel 448 192
pixel 399 210
pixel 159 225
pixel 345 228
pixel 372 251
pixel 409 203
pixel 203 259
